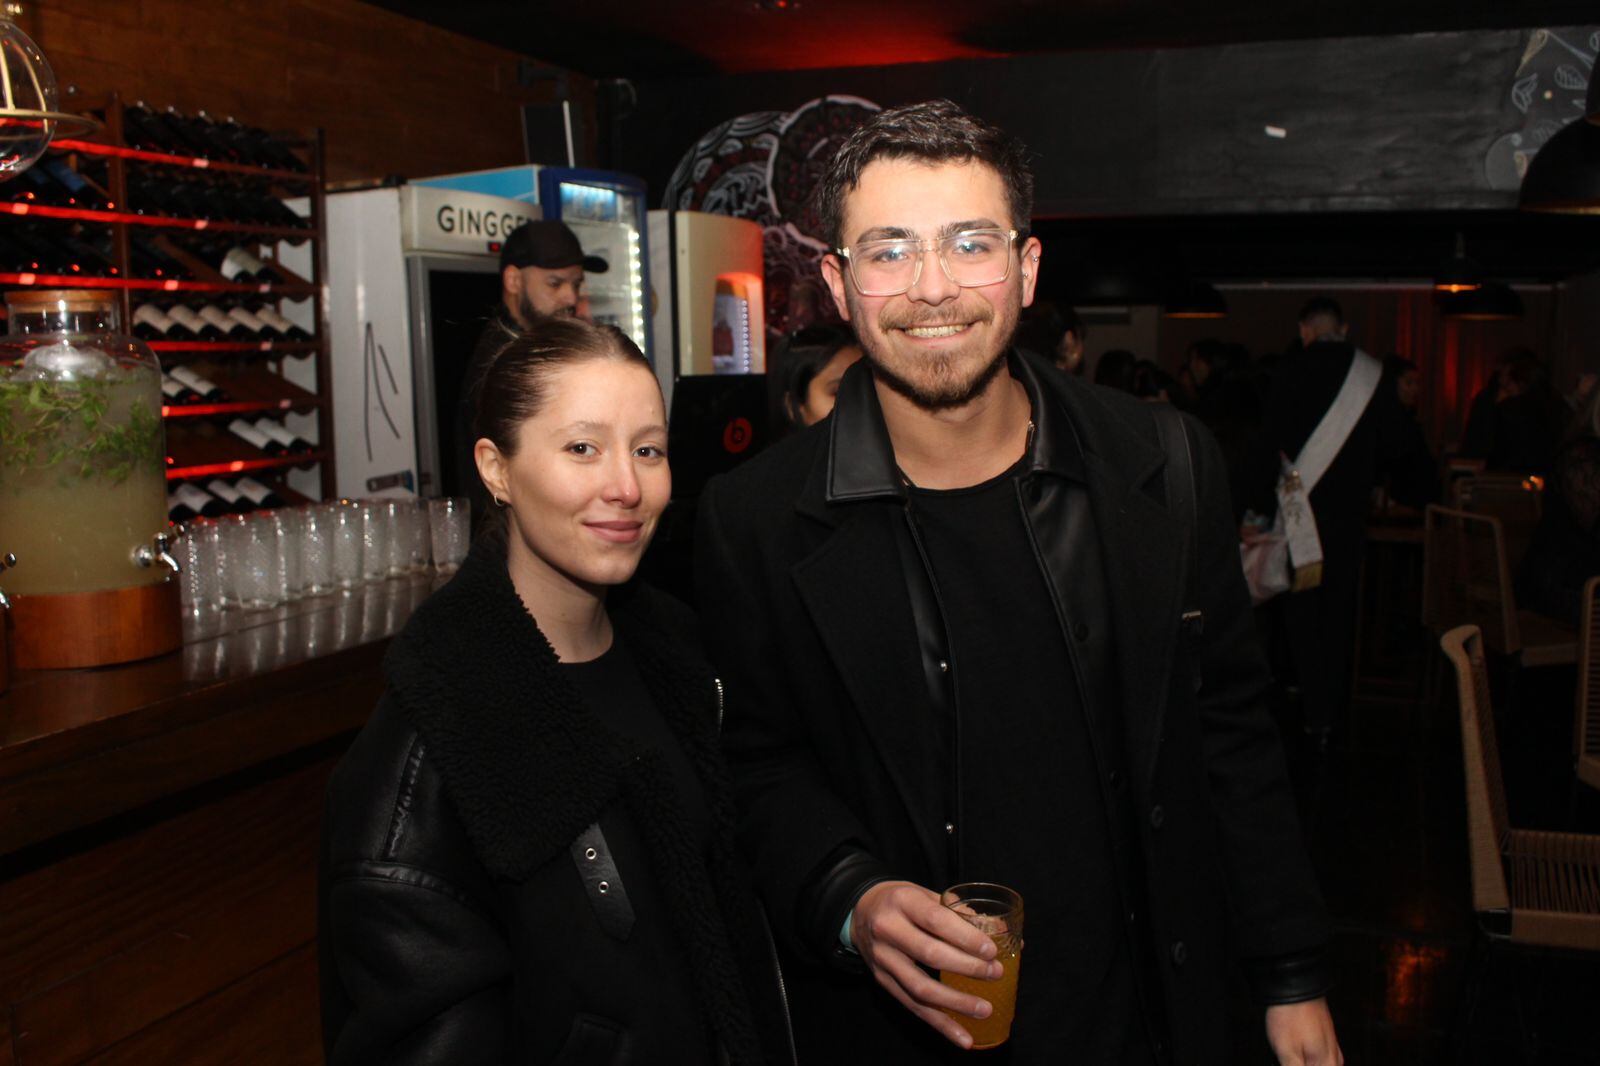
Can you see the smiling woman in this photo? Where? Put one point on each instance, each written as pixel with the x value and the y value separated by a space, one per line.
pixel 527 853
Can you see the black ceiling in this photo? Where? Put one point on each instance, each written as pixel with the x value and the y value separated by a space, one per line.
pixel 651 38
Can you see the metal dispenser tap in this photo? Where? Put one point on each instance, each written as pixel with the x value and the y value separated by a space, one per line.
pixel 7 561
pixel 159 548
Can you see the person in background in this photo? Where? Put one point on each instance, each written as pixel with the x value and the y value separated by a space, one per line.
pixel 1565 550
pixel 1152 383
pixel 1319 623
pixel 542 271
pixel 527 852
pixel 953 634
pixel 1402 375
pixel 805 374
pixel 1223 397
pixel 1528 418
pixel 1116 369
pixel 1053 333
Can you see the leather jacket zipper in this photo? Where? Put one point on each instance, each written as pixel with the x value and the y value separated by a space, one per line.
pixel 717 681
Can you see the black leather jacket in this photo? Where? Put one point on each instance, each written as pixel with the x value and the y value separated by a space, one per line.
pixel 820 617
pixel 504 880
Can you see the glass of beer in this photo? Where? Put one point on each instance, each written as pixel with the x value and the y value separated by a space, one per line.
pixel 996 911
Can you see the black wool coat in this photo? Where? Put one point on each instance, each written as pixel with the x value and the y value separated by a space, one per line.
pixel 817 616
pixel 461 919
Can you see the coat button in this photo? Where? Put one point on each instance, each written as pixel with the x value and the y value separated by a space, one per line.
pixel 1180 953
pixel 1114 777
pixel 1158 817
pixel 1081 631
pixel 944 666
pixel 950 828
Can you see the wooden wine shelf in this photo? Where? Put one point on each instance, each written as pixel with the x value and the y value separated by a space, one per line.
pixel 74 281
pixel 140 155
pixel 128 218
pixel 243 466
pixel 228 347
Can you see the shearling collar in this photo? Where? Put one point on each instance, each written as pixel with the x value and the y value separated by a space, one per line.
pixel 527 765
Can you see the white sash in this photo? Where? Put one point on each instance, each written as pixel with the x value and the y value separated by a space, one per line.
pixel 1298 479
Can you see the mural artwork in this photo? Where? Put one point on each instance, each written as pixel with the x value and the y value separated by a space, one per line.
pixel 763 166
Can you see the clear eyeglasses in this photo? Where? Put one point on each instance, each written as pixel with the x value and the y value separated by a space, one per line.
pixel 971 259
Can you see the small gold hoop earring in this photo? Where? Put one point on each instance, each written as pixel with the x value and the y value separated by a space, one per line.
pixel 498 502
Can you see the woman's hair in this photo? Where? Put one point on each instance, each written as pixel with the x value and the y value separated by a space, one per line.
pixel 515 385
pixel 799 358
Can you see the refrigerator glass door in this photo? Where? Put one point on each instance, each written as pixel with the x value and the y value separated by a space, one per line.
pixel 452 299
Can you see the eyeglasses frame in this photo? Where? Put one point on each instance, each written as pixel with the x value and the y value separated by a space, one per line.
pixel 923 248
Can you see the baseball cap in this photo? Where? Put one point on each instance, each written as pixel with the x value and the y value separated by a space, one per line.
pixel 549 245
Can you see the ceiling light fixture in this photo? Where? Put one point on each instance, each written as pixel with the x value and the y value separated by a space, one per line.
pixel 1493 301
pixel 1564 178
pixel 1459 274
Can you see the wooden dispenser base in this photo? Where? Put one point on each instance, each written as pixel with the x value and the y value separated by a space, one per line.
pixel 95 628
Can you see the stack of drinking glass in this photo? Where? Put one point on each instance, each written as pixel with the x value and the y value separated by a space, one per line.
pixel 271 557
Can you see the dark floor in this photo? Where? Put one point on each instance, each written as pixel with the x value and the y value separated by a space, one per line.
pixel 1383 810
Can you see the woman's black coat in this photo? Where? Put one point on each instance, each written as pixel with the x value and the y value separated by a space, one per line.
pixel 470 909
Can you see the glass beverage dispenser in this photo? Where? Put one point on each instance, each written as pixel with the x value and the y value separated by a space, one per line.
pixel 83 486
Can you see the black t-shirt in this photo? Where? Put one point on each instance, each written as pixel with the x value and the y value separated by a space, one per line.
pixel 615 693
pixel 1034 817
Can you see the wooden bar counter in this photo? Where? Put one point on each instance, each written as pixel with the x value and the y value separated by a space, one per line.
pixel 158 836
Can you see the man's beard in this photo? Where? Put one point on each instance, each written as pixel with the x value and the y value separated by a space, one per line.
pixel 530 314
pixel 934 385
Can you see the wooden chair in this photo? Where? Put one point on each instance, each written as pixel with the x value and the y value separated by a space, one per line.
pixel 1586 719
pixel 1466 580
pixel 1528 886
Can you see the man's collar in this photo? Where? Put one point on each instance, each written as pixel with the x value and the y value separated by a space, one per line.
pixel 861 462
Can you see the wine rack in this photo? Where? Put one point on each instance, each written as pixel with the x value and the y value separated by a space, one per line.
pixel 121 214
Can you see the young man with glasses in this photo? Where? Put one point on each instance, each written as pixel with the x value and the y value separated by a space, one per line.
pixel 970 631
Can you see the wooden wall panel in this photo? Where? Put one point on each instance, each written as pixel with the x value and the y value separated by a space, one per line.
pixel 396 95
pixel 185 930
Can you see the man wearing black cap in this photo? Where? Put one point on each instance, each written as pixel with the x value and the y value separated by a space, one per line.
pixel 542 267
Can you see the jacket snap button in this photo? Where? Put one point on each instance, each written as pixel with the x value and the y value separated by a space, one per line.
pixel 1180 953
pixel 944 666
pixel 1114 778
pixel 590 853
pixel 949 827
pixel 1157 816
pixel 604 887
pixel 1081 631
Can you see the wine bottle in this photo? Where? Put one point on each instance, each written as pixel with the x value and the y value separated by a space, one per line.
pixel 141 130
pixel 150 323
pixel 197 501
pixel 153 261
pixel 255 438
pixel 237 502
pixel 240 266
pixel 231 329
pixel 293 444
pixel 186 316
pixel 79 193
pixel 269 314
pixel 257 493
pixel 184 136
pixel 176 393
pixel 258 329
pixel 204 388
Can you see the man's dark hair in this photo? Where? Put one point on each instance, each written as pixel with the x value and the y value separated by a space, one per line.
pixel 1322 307
pixel 937 131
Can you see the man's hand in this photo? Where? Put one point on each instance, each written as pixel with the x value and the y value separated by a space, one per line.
pixel 1301 1034
pixel 895 926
